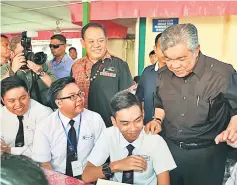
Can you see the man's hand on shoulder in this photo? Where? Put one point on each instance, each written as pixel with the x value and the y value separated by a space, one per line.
pixel 154 126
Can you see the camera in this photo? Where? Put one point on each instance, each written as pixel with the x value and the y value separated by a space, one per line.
pixel 38 58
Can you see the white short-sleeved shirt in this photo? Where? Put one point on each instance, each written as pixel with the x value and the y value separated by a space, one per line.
pixel 10 126
pixel 50 143
pixel 152 147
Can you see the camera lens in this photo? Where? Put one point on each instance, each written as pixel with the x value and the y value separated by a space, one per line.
pixel 40 58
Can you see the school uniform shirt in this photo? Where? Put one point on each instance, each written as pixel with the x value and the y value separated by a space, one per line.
pixel 108 76
pixel 112 143
pixel 10 126
pixel 50 143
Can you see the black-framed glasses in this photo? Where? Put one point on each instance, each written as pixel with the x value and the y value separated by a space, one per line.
pixel 73 97
pixel 55 46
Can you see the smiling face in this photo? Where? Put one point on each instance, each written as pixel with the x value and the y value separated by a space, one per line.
pixel 130 122
pixel 70 108
pixel 95 43
pixel 17 100
pixel 180 60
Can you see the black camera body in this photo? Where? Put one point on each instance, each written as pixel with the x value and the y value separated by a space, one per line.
pixel 38 58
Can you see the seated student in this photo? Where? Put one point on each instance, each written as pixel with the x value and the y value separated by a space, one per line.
pixel 65 139
pixel 19 117
pixel 136 157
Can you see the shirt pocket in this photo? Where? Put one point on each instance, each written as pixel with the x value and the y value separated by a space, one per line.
pixel 148 173
pixel 198 110
pixel 170 104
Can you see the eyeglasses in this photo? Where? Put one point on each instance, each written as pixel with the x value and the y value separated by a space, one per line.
pixel 55 46
pixel 74 96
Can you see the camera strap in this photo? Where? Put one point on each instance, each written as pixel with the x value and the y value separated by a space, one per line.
pixel 35 87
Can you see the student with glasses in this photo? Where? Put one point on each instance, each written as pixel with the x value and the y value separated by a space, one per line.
pixel 61 64
pixel 65 139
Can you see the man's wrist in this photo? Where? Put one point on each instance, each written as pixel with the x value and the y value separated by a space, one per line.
pixel 113 167
pixel 157 119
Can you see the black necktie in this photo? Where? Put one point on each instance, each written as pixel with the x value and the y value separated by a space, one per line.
pixel 71 153
pixel 20 134
pixel 128 175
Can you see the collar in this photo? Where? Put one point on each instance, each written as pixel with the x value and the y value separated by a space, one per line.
pixel 64 59
pixel 66 120
pixel 199 68
pixel 156 66
pixel 107 55
pixel 137 143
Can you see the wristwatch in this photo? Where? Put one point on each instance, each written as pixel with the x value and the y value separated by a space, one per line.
pixel 157 119
pixel 107 171
pixel 41 74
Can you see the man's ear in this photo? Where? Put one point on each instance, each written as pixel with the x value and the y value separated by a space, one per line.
pixel 12 54
pixel 58 103
pixel 82 43
pixel 113 121
pixel 154 48
pixel 2 101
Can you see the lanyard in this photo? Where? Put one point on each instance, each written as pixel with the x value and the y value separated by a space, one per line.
pixel 70 143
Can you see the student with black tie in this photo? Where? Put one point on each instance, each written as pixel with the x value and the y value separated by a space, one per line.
pixel 19 117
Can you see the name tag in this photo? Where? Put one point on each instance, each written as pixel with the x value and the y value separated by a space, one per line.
pixel 147 158
pixel 88 137
pixel 76 168
pixel 108 74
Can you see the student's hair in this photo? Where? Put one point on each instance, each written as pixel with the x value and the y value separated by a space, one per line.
pixel 60 38
pixel 92 25
pixel 15 40
pixel 21 170
pixel 136 79
pixel 4 36
pixel 123 100
pixel 152 53
pixel 57 87
pixel 71 48
pixel 157 38
pixel 11 83
pixel 178 34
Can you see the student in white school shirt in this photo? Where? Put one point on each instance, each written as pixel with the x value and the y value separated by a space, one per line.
pixel 19 117
pixel 136 157
pixel 65 139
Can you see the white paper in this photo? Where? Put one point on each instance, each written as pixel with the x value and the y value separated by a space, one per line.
pixel 76 168
pixel 106 182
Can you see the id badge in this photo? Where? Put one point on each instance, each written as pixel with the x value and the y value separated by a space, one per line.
pixel 76 168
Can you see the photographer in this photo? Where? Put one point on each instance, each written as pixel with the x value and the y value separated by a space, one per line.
pixel 38 77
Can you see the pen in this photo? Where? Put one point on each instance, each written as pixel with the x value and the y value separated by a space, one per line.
pixel 198 98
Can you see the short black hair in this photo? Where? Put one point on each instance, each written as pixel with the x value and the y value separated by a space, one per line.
pixel 4 36
pixel 92 25
pixel 157 38
pixel 17 176
pixel 71 48
pixel 152 53
pixel 59 37
pixel 57 87
pixel 123 100
pixel 136 79
pixel 11 83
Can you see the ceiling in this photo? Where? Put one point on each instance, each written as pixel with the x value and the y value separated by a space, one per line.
pixel 18 16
